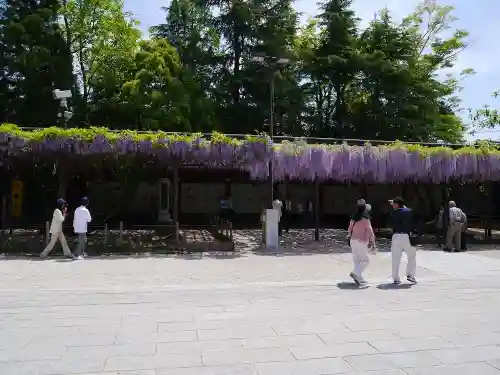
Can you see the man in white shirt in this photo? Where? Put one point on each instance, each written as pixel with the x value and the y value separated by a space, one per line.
pixel 80 222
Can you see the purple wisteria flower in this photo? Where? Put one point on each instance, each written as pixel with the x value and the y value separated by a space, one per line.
pixel 293 160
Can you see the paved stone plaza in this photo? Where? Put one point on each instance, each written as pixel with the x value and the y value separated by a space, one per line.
pixel 249 314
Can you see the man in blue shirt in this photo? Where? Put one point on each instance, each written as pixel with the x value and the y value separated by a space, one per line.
pixel 402 226
pixel 226 208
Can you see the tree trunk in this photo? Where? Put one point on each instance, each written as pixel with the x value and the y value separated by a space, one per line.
pixel 83 71
pixel 69 43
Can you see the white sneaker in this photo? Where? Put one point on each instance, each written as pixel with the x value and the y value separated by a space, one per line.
pixel 80 257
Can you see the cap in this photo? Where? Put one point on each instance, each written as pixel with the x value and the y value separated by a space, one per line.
pixel 399 200
pixel 60 201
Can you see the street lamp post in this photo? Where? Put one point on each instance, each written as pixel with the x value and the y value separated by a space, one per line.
pixel 274 63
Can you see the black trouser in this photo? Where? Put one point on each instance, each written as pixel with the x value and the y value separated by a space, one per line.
pixel 226 214
pixel 463 241
pixel 440 238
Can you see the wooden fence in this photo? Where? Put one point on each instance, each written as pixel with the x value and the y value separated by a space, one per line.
pixel 121 239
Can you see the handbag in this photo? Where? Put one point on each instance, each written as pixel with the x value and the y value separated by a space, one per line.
pixel 414 239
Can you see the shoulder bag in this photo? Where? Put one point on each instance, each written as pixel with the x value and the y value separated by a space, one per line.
pixel 350 233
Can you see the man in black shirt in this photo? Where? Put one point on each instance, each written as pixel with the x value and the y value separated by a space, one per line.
pixel 402 226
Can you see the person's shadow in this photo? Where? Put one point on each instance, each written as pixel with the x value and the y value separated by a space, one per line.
pixel 351 286
pixel 391 286
pixel 388 286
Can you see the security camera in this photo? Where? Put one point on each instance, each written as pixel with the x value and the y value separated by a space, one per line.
pixel 62 94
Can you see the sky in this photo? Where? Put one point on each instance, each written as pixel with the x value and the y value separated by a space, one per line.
pixel 479 17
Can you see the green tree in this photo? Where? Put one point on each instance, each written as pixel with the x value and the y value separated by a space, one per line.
pixel 485 117
pixel 392 96
pixel 381 83
pixel 311 87
pixel 429 23
pixel 197 73
pixel 189 28
pixel 34 61
pixel 440 44
pixel 399 95
pixel 274 29
pixel 156 97
pixel 336 65
pixel 216 40
pixel 102 39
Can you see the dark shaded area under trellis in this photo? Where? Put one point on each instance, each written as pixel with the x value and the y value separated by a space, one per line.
pixel 39 204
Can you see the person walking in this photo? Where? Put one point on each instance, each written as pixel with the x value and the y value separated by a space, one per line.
pixel 361 239
pixel 401 221
pixel 455 227
pixel 81 220
pixel 56 230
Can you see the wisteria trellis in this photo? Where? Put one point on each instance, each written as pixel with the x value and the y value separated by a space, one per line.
pixel 296 160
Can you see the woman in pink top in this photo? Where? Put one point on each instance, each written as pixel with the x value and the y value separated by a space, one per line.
pixel 361 239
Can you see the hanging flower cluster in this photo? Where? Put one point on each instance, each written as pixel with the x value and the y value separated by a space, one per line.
pixel 386 164
pixel 295 160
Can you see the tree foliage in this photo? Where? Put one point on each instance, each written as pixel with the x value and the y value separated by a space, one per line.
pixel 34 59
pixel 156 96
pixel 101 39
pixel 486 117
pixel 197 72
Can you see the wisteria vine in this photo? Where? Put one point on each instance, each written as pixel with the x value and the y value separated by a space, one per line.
pixel 295 160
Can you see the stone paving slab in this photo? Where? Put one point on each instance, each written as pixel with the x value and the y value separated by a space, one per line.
pixel 251 315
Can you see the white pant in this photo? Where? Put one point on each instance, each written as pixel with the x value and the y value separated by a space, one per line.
pixel 53 239
pixel 360 257
pixel 400 243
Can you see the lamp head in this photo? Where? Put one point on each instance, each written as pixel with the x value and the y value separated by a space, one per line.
pixel 259 59
pixel 62 94
pixel 283 61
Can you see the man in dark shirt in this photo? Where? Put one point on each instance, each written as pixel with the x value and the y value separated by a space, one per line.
pixel 226 208
pixel 402 225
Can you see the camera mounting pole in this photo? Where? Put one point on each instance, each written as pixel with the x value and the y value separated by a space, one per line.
pixel 63 95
